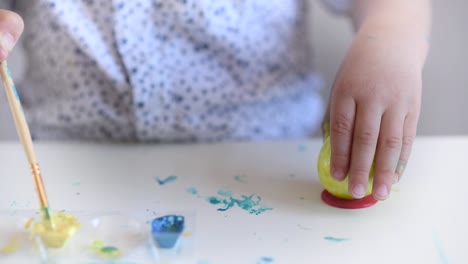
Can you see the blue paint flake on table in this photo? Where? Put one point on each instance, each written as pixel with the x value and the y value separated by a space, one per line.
pixel 265 260
pixel 166 180
pixel 240 178
pixel 192 190
pixel 336 239
pixel 301 148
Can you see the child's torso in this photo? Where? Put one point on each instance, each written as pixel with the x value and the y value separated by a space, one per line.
pixel 168 70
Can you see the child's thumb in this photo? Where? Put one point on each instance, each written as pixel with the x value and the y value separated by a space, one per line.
pixel 11 27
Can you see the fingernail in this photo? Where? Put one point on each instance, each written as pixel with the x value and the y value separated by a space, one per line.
pixel 359 191
pixel 396 178
pixel 7 41
pixel 338 174
pixel 382 192
pixel 399 170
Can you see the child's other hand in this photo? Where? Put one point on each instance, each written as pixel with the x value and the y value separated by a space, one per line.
pixel 374 110
pixel 11 27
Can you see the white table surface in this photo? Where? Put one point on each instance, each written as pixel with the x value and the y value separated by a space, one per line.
pixel 424 221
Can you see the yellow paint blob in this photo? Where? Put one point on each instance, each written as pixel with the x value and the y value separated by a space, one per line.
pixel 337 188
pixel 65 226
pixel 187 234
pixel 11 247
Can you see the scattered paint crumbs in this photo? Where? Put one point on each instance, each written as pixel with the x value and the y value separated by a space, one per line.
pixel 265 260
pixel 75 184
pixel 225 193
pixel 336 239
pixel 246 203
pixel 165 181
pixel 396 190
pixel 240 178
pixel 440 249
pixel 304 227
pixel 192 190
pixel 301 148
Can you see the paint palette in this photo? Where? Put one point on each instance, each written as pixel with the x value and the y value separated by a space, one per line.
pixel 108 237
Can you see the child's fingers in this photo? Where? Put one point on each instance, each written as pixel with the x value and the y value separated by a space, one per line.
pixel 388 153
pixel 366 133
pixel 409 133
pixel 11 27
pixel 342 115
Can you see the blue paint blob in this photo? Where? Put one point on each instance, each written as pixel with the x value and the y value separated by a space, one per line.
pixel 192 190
pixel 165 181
pixel 336 239
pixel 167 229
pixel 265 260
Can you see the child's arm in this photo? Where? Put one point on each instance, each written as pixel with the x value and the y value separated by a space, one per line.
pixel 11 27
pixel 376 98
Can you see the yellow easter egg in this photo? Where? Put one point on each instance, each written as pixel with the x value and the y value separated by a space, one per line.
pixel 337 188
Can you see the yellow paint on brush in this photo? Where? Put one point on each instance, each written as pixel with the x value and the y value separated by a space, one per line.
pixel 65 226
pixel 11 247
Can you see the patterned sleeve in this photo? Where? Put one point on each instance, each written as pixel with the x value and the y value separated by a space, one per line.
pixel 342 7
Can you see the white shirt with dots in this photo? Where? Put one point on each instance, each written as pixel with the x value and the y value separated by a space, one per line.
pixel 169 70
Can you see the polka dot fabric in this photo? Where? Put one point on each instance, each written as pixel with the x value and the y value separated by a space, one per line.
pixel 169 70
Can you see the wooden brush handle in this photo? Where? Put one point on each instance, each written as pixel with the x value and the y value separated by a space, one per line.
pixel 18 114
pixel 23 131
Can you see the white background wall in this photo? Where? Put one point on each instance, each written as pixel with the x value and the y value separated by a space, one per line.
pixel 445 96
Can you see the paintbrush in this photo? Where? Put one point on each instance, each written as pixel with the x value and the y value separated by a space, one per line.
pixel 25 137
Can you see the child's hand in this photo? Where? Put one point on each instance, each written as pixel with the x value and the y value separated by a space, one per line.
pixel 11 27
pixel 374 109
